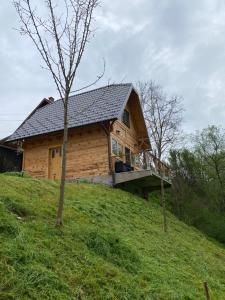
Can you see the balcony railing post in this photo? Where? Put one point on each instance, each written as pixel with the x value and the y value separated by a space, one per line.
pixel 145 160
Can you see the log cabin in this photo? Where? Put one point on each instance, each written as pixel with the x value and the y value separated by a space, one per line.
pixel 108 140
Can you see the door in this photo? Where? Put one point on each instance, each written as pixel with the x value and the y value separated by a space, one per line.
pixel 55 163
pixel 127 156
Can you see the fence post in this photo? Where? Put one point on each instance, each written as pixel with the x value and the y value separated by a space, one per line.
pixel 145 166
pixel 207 295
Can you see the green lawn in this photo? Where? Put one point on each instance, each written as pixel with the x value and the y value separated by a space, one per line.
pixel 112 246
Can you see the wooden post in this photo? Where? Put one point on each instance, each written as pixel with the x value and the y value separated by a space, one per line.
pixel 144 193
pixel 145 166
pixel 207 295
pixel 108 128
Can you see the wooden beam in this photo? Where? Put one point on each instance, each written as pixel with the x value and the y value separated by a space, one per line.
pixel 108 127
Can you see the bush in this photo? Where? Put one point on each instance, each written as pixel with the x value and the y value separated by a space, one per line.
pixel 194 211
pixel 213 224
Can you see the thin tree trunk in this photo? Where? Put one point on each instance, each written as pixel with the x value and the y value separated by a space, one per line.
pixel 59 219
pixel 222 201
pixel 175 190
pixel 163 201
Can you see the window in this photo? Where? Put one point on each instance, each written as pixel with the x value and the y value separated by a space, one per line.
pixel 56 152
pixel 126 118
pixel 117 148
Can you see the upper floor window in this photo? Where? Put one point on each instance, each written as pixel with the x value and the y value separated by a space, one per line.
pixel 126 118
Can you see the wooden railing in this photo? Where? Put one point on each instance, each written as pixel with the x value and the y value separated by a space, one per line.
pixel 144 161
pixel 151 162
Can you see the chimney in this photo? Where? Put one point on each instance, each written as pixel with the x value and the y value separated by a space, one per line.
pixel 51 99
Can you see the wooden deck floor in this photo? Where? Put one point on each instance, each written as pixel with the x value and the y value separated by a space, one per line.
pixel 144 178
pixel 147 179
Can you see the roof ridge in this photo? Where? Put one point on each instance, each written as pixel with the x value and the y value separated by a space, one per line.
pixel 102 87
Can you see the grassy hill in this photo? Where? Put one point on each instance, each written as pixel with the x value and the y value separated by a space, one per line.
pixel 111 247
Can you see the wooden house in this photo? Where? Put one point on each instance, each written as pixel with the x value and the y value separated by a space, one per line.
pixel 108 140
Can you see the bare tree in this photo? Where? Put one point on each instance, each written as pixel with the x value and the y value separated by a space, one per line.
pixel 163 115
pixel 60 33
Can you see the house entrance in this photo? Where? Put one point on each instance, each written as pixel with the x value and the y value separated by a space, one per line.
pixel 55 163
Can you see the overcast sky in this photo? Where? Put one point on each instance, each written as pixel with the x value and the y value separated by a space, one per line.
pixel 178 43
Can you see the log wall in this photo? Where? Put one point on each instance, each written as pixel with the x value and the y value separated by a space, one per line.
pixel 87 153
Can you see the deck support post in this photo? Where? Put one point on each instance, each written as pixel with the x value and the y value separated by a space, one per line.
pixel 144 193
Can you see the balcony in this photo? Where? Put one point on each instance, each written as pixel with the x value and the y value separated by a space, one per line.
pixel 143 168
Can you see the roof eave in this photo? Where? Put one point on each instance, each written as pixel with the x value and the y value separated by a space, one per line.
pixel 59 130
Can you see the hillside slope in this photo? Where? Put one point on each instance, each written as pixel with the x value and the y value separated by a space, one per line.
pixel 111 247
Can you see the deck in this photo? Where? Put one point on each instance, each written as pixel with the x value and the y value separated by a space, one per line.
pixel 146 178
pixel 145 167
pixel 140 182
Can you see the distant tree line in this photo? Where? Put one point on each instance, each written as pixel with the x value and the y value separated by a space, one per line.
pixel 197 162
pixel 198 185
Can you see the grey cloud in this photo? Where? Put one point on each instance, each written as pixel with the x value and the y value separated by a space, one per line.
pixel 180 44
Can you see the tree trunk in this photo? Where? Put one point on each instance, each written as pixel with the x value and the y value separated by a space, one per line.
pixel 59 219
pixel 163 202
pixel 222 201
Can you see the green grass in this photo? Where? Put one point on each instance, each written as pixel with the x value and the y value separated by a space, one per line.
pixel 112 246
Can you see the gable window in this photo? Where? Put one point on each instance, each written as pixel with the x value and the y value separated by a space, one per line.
pixel 117 148
pixel 126 118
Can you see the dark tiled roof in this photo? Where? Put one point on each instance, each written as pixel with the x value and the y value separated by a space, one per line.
pixel 95 106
